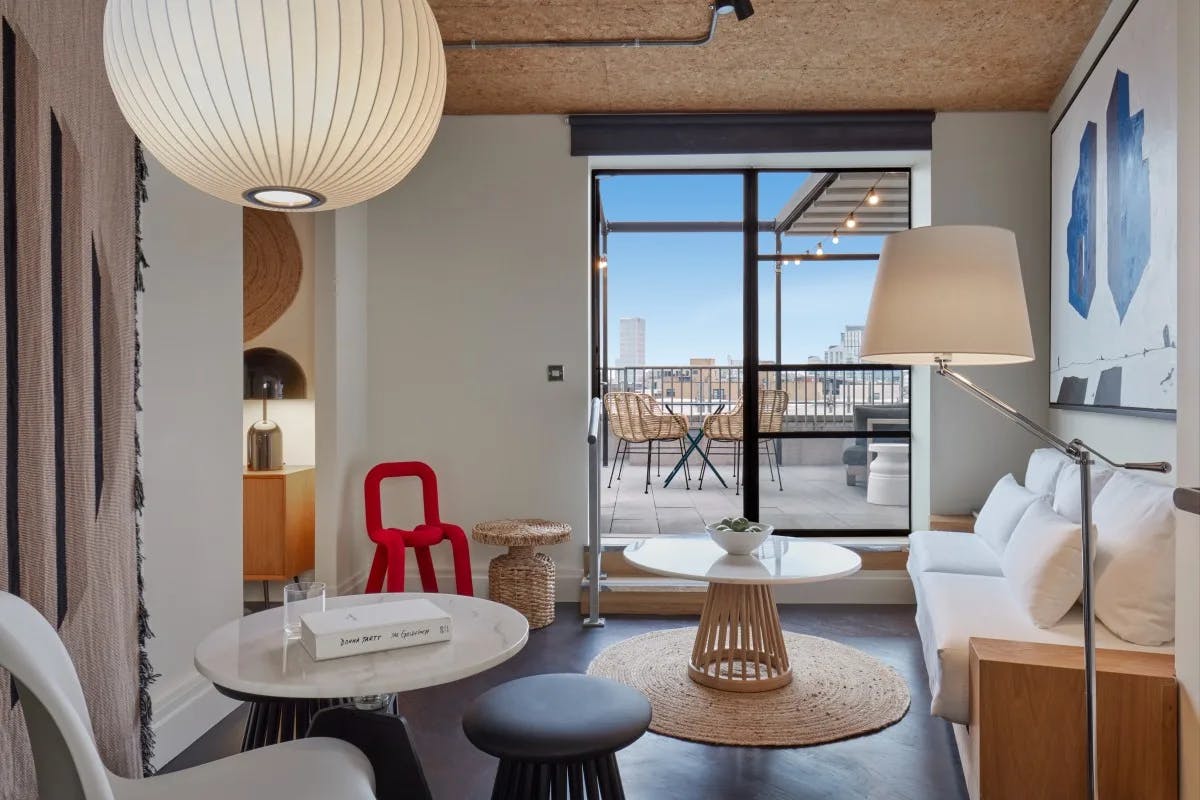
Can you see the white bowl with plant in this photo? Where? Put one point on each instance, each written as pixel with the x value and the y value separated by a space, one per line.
pixel 738 536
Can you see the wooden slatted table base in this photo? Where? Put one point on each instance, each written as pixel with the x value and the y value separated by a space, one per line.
pixel 739 644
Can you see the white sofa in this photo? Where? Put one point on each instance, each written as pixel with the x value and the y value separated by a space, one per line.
pixel 961 593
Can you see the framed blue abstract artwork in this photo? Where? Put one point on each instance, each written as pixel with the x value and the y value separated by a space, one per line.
pixel 1114 226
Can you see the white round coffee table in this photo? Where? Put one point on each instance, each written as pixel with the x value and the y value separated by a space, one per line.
pixel 250 659
pixel 887 476
pixel 739 646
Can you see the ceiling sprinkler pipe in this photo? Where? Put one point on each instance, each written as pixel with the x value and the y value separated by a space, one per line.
pixel 740 8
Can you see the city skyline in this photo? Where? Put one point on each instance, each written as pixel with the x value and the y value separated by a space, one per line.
pixel 847 351
pixel 688 286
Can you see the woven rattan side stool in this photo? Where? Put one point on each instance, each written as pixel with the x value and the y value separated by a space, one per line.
pixel 521 578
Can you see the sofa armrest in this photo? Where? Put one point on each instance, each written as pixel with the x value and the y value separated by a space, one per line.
pixel 1027 721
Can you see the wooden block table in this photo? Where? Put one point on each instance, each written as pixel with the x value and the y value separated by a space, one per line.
pixel 964 523
pixel 1027 722
pixel 521 578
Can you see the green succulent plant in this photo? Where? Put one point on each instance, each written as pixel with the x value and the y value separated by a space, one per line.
pixel 738 525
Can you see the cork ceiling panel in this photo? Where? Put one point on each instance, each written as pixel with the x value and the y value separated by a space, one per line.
pixel 792 55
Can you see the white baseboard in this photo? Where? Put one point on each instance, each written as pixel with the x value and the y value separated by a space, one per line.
pixel 865 588
pixel 868 587
pixel 183 715
pixel 355 583
pixel 566 583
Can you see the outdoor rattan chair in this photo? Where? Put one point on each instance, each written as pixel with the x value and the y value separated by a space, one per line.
pixel 637 418
pixel 727 427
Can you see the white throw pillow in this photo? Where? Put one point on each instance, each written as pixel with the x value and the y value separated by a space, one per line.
pixel 1042 472
pixel 1066 490
pixel 1000 514
pixel 1135 559
pixel 1043 564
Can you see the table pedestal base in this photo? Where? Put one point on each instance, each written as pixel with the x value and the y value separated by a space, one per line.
pixel 274 720
pixel 739 646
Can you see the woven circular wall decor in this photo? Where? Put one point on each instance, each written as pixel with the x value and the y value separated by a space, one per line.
pixel 271 269
pixel 838 692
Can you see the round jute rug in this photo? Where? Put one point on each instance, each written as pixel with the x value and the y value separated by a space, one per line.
pixel 836 692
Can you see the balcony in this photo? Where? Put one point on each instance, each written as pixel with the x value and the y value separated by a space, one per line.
pixel 824 475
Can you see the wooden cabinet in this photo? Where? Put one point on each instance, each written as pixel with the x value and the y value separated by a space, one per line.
pixel 277 523
pixel 1027 733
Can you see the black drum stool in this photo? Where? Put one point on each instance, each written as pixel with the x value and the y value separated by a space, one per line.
pixel 557 735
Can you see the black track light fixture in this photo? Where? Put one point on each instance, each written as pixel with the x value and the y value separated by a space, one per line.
pixel 741 8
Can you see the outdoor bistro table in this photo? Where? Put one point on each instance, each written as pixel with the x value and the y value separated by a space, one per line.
pixel 694 447
pixel 250 659
pixel 739 645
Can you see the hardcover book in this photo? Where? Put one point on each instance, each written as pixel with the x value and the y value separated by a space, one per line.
pixel 371 628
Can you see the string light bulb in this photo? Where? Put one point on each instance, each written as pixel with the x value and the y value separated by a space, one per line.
pixel 603 262
pixel 873 198
pixel 851 222
pixel 820 249
pixel 835 239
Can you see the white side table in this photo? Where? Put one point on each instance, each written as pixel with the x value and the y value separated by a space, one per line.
pixel 739 646
pixel 887 480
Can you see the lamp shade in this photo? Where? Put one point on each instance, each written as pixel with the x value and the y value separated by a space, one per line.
pixel 950 292
pixel 279 104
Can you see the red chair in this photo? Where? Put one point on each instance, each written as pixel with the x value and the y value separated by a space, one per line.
pixel 389 554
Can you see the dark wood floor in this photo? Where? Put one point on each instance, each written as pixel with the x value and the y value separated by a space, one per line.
pixel 914 759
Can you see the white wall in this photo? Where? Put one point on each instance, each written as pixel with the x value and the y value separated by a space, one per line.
pixel 1187 541
pixel 342 443
pixel 191 385
pixel 1124 438
pixel 478 279
pixel 992 169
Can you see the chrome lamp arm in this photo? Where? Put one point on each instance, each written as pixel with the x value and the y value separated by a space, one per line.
pixel 1073 449
pixel 1080 453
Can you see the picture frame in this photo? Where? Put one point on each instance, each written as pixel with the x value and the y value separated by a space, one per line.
pixel 1114 221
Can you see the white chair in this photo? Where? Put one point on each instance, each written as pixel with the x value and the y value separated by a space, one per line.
pixel 68 764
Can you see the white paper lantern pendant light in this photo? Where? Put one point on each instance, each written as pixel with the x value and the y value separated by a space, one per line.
pixel 290 105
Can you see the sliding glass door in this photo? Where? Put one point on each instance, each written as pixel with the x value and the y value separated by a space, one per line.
pixel 760 282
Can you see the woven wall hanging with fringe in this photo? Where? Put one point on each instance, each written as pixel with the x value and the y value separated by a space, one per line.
pixel 70 490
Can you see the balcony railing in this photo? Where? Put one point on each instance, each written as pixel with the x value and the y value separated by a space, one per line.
pixel 820 396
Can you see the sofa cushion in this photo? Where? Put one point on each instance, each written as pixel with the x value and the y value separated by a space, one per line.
pixel 1002 511
pixel 1066 490
pixel 951 551
pixel 1043 564
pixel 951 609
pixel 1041 474
pixel 1135 559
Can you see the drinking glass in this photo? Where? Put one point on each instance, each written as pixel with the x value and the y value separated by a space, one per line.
pixel 301 598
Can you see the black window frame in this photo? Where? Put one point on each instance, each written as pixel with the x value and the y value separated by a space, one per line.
pixel 752 369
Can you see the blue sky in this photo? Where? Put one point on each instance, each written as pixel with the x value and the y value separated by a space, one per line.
pixel 688 286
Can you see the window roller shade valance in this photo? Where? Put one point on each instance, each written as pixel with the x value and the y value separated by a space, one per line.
pixel 813 132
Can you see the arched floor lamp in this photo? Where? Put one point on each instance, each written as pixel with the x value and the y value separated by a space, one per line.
pixel 953 294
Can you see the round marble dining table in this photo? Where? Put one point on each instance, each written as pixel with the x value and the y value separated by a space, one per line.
pixel 251 659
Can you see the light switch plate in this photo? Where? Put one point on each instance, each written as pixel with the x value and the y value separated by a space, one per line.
pixel 554 372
